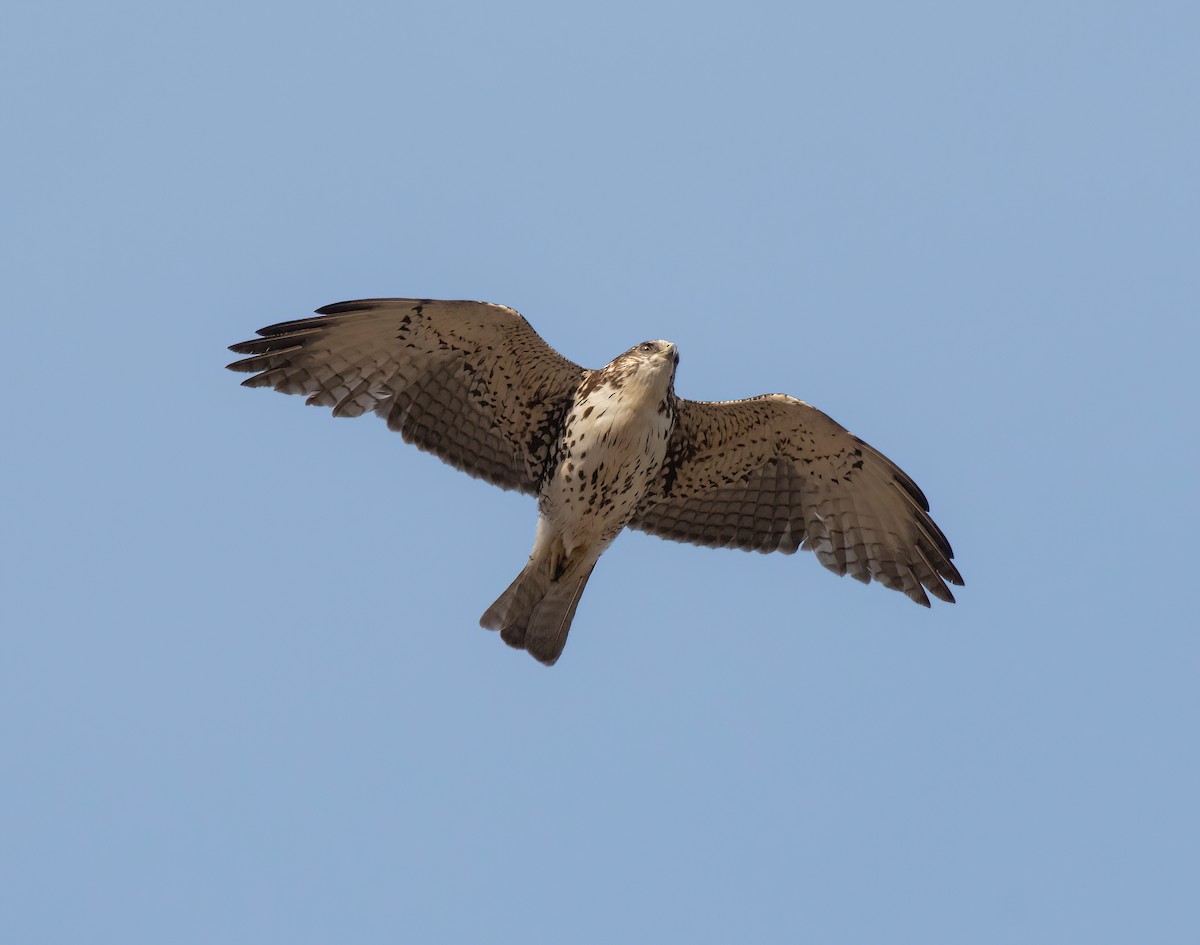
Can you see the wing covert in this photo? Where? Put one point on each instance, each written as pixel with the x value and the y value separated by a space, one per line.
pixel 470 382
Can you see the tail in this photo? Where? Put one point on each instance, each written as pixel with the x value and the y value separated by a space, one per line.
pixel 536 611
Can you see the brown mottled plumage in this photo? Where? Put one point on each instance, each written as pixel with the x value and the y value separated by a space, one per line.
pixel 474 384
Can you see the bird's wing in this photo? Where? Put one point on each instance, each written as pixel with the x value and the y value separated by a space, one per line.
pixel 773 473
pixel 470 382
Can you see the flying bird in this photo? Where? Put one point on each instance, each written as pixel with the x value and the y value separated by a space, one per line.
pixel 606 449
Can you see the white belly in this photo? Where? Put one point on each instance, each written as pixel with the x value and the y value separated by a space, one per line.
pixel 611 456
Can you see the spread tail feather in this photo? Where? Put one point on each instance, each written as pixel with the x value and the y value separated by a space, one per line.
pixel 535 613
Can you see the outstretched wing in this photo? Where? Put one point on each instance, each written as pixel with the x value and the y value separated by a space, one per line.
pixel 773 473
pixel 470 382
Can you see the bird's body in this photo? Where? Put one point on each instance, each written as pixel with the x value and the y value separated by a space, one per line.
pixel 612 447
pixel 606 449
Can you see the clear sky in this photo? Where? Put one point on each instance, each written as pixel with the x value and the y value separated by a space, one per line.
pixel 243 693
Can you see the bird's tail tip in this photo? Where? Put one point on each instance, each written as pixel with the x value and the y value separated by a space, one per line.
pixel 535 613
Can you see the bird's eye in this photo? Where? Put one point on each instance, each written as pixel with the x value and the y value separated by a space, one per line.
pixel 647 346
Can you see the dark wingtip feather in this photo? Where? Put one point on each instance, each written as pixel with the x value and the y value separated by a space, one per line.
pixel 252 347
pixel 296 324
pixel 276 344
pixel 345 308
pixel 940 591
pixel 903 479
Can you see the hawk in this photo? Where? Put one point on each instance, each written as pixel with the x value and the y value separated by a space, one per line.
pixel 602 450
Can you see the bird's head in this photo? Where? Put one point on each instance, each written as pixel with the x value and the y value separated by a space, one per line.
pixel 644 373
pixel 653 362
pixel 654 354
pixel 649 367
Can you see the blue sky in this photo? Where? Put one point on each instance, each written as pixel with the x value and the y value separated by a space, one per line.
pixel 243 696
